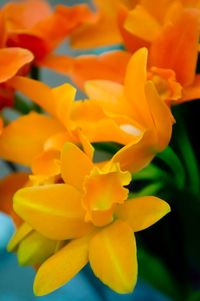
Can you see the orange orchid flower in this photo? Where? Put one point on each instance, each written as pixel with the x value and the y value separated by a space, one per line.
pixel 138 100
pixel 170 31
pixel 99 33
pixel 91 209
pixel 12 61
pixel 137 125
pixel 173 37
pixel 77 121
pixel 38 28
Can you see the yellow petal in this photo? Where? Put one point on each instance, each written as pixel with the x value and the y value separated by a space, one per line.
pixel 24 138
pixel 53 210
pixel 142 24
pixel 75 165
pixel 61 267
pixel 35 249
pixel 141 213
pixel 19 235
pixel 112 255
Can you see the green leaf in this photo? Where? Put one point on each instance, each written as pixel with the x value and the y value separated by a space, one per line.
pixel 195 296
pixel 153 271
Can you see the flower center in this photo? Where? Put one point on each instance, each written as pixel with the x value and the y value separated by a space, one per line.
pixel 103 190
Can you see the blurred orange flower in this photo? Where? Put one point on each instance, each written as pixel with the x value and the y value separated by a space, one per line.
pixel 13 61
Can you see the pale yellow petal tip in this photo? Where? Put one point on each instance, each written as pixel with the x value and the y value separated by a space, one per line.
pixel 128 289
pixel 39 288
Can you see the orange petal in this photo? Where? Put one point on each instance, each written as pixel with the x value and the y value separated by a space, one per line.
pixel 61 267
pixel 112 255
pixel 56 142
pixel 36 91
pixel 24 138
pixel 192 92
pixel 1 125
pixel 180 40
pixel 136 76
pixel 136 23
pixel 131 42
pixel 141 213
pixel 135 156
pixel 53 210
pixel 29 13
pixel 8 186
pixel 109 66
pixel 64 96
pixel 75 165
pixel 47 163
pixel 160 112
pixel 12 60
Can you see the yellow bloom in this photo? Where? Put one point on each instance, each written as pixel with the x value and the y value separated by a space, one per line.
pixel 31 247
pixel 91 209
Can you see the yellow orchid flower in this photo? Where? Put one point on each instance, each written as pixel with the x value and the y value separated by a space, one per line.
pixel 31 247
pixel 92 211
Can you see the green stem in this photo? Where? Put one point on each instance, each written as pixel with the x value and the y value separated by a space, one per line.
pixel 188 156
pixel 190 162
pixel 169 157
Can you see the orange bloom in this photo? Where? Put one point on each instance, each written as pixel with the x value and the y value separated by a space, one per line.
pixel 170 31
pixel 138 125
pixel 139 101
pixel 32 24
pixel 91 209
pixel 13 61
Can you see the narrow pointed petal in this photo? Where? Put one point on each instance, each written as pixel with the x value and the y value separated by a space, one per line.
pixel 61 267
pixel 64 96
pixel 112 255
pixel 160 112
pixel 12 60
pixel 136 76
pixel 75 165
pixel 8 186
pixel 35 249
pixel 141 213
pixel 24 138
pixel 59 205
pixel 19 235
